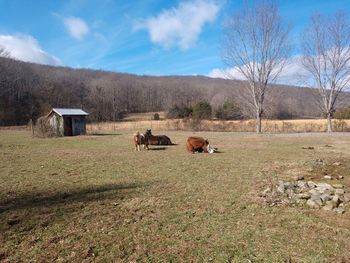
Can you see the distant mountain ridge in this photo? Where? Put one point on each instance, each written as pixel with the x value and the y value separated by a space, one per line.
pixel 28 90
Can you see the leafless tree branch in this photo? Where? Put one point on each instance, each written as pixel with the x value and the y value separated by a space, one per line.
pixel 256 45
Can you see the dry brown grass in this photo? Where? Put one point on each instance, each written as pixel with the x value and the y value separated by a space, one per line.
pixel 145 116
pixel 94 199
pixel 270 126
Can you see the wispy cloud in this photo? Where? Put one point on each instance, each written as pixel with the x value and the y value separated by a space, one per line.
pixel 292 74
pixel 27 48
pixel 76 27
pixel 180 26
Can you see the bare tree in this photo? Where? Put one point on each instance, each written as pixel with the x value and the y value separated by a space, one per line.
pixel 326 46
pixel 4 52
pixel 256 47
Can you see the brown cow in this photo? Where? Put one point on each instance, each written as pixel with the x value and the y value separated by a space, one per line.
pixel 157 139
pixel 198 144
pixel 139 139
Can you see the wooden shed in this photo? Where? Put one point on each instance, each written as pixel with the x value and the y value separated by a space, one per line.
pixel 68 122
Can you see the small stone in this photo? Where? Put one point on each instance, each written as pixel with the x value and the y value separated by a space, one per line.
pixel 314 192
pixel 347 198
pixel 303 196
pixel 337 163
pixel 339 210
pixel 287 185
pixel 321 187
pixel 338 186
pixel 339 177
pixel 336 200
pixel 267 190
pixel 311 184
pixel 328 177
pixel 339 191
pixel 328 207
pixel 312 204
pixel 301 184
pixel 328 192
pixel 290 193
pixel 325 198
pixel 299 178
pixel 281 187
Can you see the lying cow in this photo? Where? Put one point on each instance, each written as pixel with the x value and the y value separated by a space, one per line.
pixel 140 139
pixel 198 144
pixel 157 139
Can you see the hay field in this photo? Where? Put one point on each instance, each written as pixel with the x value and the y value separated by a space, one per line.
pixel 94 199
pixel 270 126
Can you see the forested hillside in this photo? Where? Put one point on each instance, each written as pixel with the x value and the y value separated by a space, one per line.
pixel 29 90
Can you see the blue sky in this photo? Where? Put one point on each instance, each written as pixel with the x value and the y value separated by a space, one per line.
pixel 145 37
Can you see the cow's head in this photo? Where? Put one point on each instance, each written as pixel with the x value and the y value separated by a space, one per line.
pixel 149 132
pixel 210 149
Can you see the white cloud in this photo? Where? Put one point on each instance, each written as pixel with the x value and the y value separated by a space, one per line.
pixel 27 48
pixel 76 27
pixel 180 26
pixel 292 74
pixel 228 73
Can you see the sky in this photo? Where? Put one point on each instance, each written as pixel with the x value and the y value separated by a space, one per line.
pixel 144 37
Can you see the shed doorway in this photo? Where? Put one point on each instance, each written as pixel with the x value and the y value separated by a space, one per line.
pixel 68 130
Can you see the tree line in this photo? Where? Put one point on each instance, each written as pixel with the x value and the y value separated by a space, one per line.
pixel 29 90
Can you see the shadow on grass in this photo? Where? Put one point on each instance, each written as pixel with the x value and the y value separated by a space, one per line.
pixel 104 134
pixel 92 193
pixel 157 148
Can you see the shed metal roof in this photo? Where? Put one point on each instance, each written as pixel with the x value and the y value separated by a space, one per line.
pixel 65 111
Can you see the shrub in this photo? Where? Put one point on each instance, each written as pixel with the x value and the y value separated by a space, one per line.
pixel 342 113
pixel 43 128
pixel 179 112
pixel 201 110
pixel 228 111
pixel 156 117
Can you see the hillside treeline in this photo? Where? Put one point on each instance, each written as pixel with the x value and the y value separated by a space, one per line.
pixel 29 90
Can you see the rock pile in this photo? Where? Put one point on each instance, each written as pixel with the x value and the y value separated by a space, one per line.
pixel 314 195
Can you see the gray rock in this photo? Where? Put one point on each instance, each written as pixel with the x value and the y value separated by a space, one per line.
pixel 318 201
pixel 325 198
pixel 290 193
pixel 280 187
pixel 321 187
pixel 336 200
pixel 311 184
pixel 287 185
pixel 328 207
pixel 340 177
pixel 338 186
pixel 328 177
pixel 328 192
pixel 312 204
pixel 303 196
pixel 302 184
pixel 314 191
pixel 339 191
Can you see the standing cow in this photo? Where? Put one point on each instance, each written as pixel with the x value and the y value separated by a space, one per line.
pixel 140 139
pixel 198 144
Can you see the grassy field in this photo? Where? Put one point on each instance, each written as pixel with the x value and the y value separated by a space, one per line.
pixel 94 199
